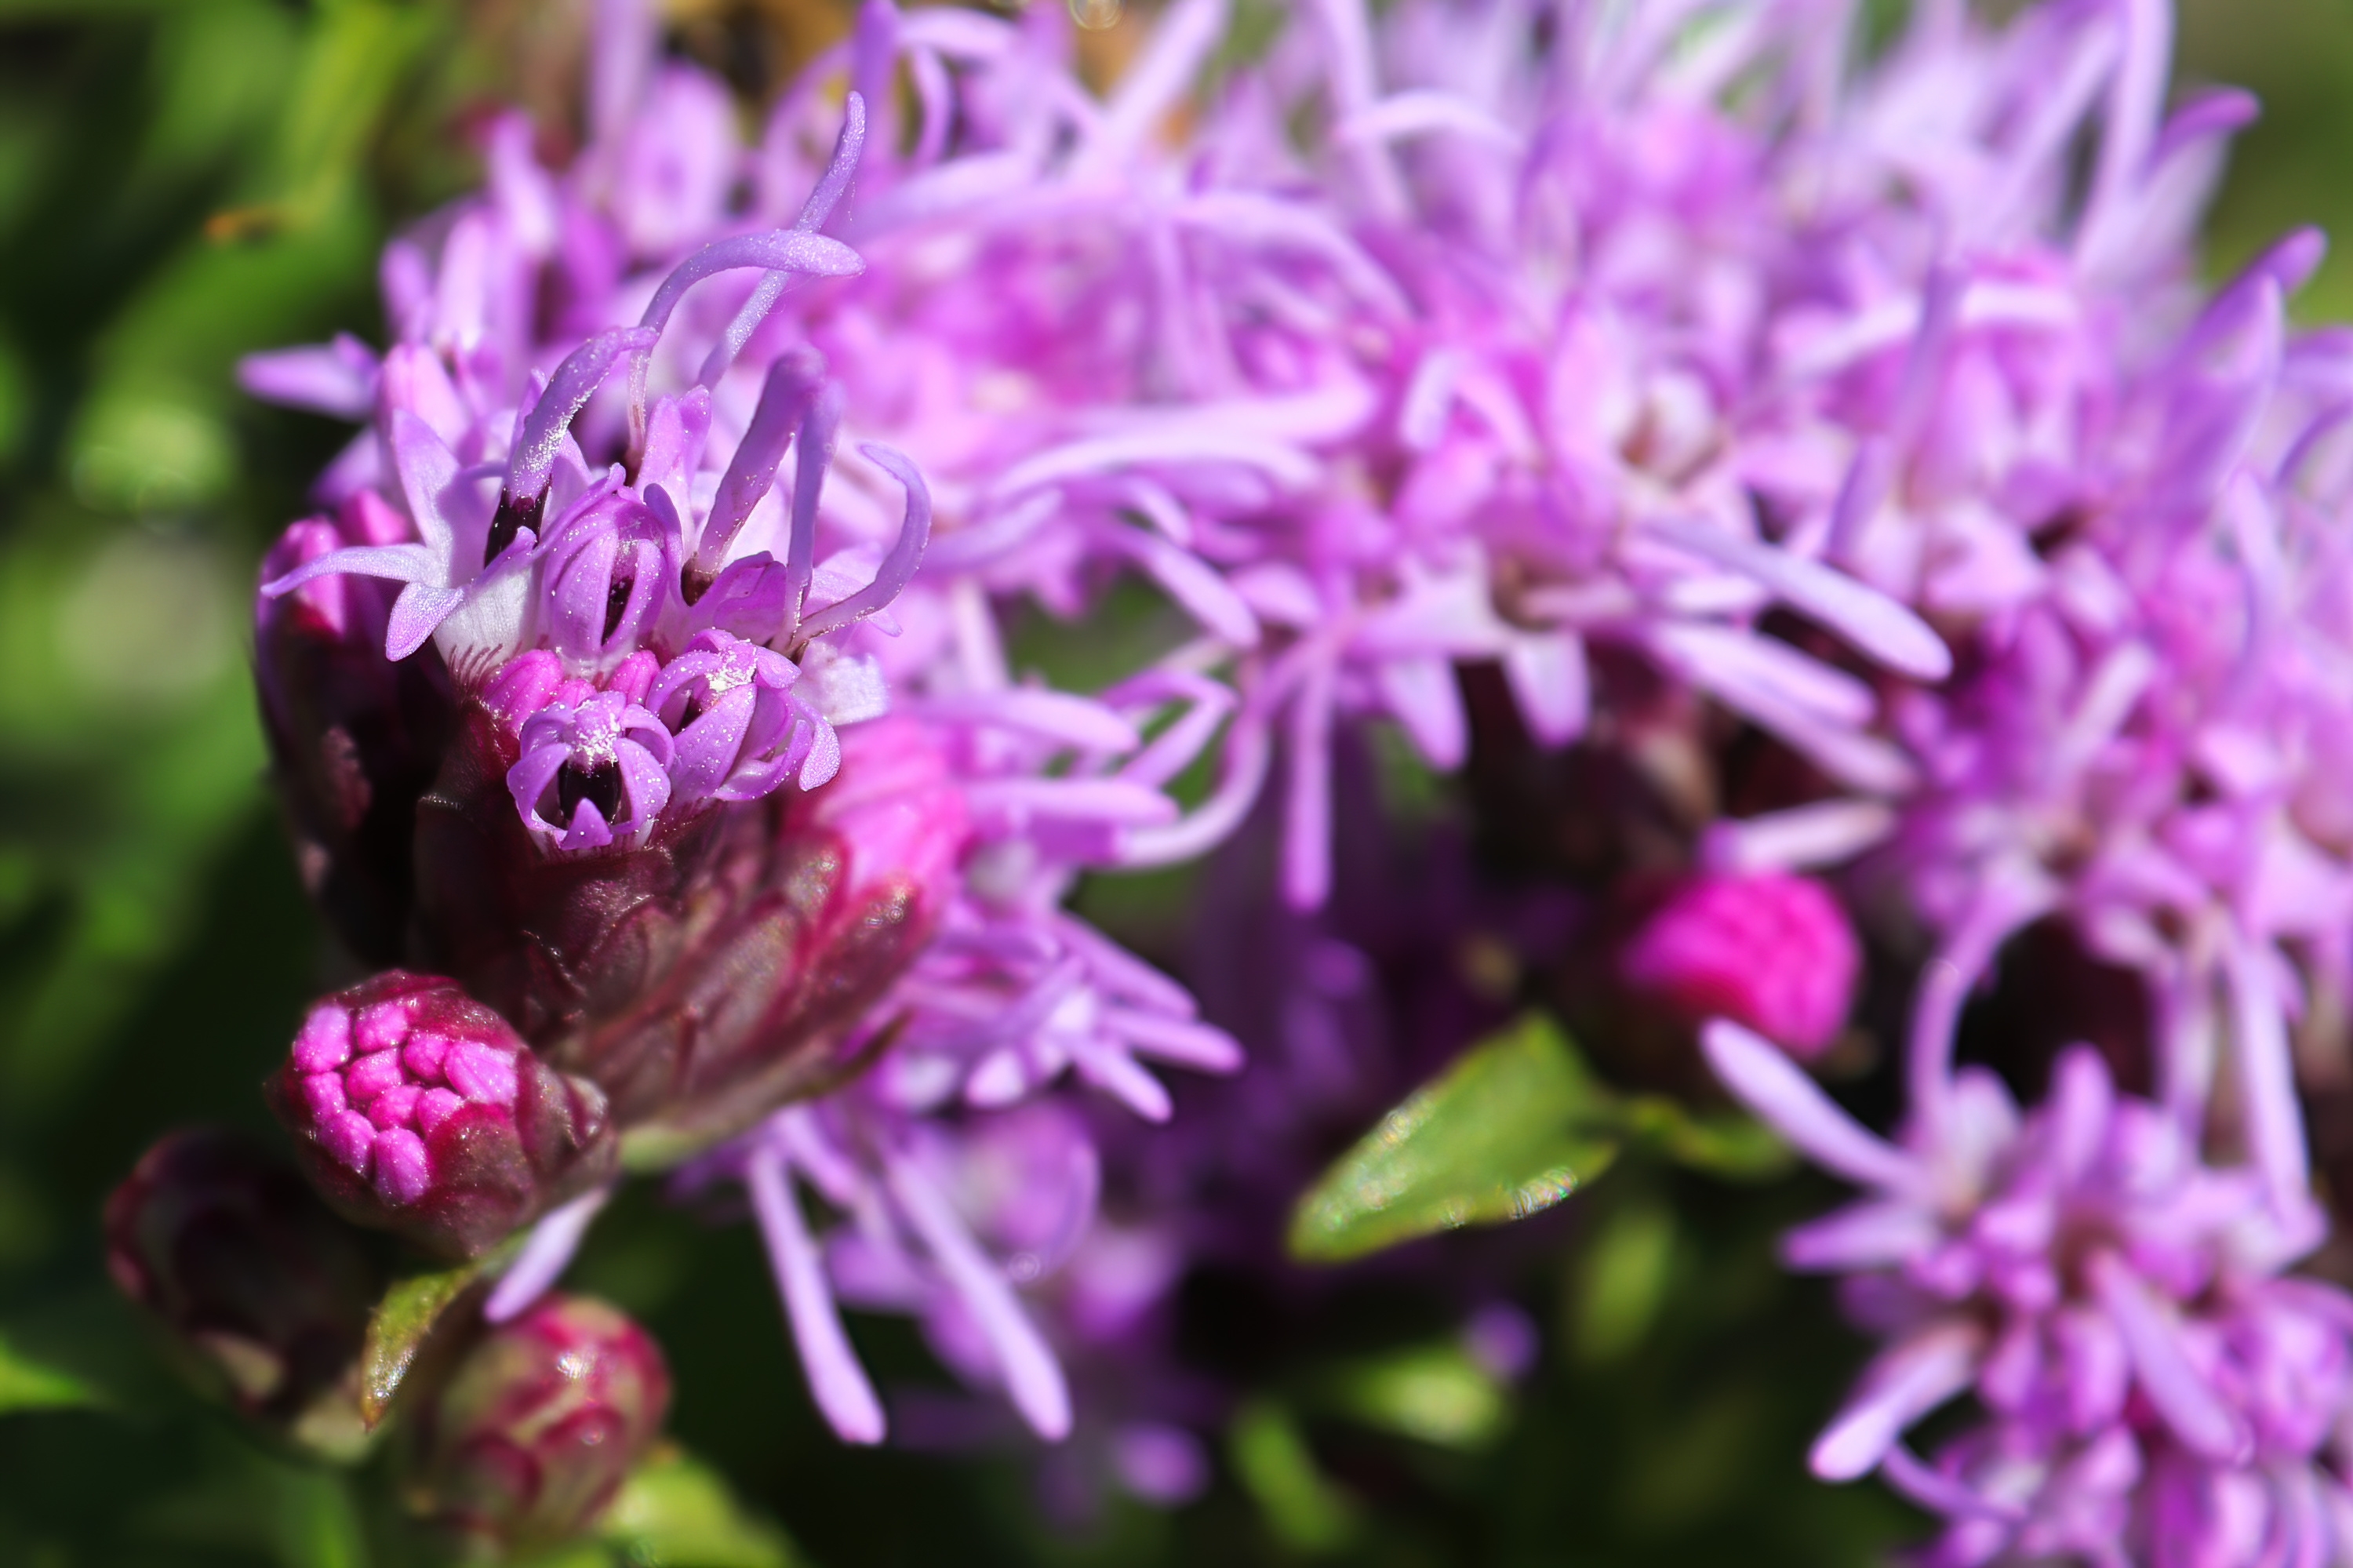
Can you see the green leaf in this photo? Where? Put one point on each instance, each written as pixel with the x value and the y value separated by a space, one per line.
pixel 26 1384
pixel 1302 1507
pixel 1436 1393
pixel 403 1320
pixel 1513 1128
pixel 1730 1144
pixel 572 1554
pixel 317 1519
pixel 675 1511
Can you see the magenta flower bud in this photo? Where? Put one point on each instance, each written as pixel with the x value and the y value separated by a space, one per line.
pixel 419 1111
pixel 1771 952
pixel 741 727
pixel 593 771
pixel 538 1426
pixel 522 686
pixel 353 740
pixel 222 1239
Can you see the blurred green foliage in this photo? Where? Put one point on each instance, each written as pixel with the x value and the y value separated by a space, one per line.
pixel 2288 168
pixel 183 181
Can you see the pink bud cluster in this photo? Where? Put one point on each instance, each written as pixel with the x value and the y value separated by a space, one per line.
pixel 381 1078
pixel 420 1110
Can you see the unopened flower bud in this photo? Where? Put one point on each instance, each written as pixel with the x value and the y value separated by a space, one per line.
pixel 353 738
pixel 539 1425
pixel 223 1241
pixel 419 1111
pixel 1772 952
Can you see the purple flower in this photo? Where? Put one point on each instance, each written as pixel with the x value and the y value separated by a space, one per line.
pixel 2117 1307
pixel 608 564
pixel 739 725
pixel 417 1111
pixel 925 1238
pixel 2114 758
pixel 593 771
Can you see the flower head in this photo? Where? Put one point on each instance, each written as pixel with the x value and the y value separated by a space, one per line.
pixel 2116 1306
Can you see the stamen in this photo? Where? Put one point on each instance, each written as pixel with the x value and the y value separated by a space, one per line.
pixel 818 427
pixel 849 147
pixel 776 251
pixel 785 399
pixel 899 565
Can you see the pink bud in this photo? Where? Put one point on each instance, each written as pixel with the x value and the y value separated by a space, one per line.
pixel 522 687
pixel 537 1427
pixel 1771 952
pixel 325 1041
pixel 448 1130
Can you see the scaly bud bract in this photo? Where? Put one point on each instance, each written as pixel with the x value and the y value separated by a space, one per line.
pixel 353 739
pixel 222 1240
pixel 539 1425
pixel 715 972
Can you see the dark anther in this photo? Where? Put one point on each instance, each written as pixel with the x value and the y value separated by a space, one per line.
pixel 511 518
pixel 599 786
pixel 616 599
pixel 694 582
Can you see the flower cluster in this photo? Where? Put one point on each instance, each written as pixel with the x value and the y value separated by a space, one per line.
pixel 1825 439
pixel 1831 394
pixel 2156 1388
pixel 579 696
